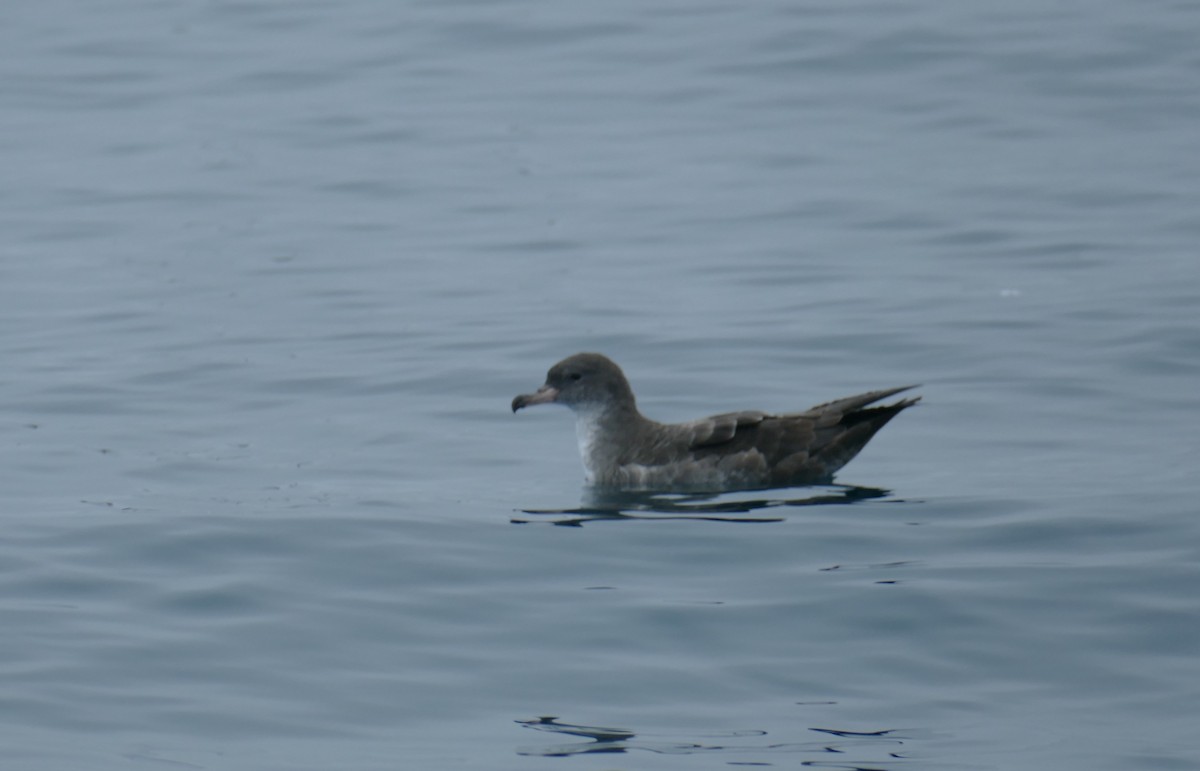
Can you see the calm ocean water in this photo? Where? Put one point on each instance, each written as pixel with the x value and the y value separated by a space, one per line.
pixel 271 273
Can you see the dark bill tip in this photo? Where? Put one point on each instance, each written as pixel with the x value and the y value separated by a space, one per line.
pixel 544 395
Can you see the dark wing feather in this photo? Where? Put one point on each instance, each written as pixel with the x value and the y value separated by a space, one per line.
pixel 838 407
pixel 721 428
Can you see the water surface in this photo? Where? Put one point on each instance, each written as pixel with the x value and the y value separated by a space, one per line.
pixel 273 272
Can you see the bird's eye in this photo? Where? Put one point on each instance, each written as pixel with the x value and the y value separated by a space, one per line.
pixel 575 376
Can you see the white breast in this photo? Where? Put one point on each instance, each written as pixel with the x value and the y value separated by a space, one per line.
pixel 587 429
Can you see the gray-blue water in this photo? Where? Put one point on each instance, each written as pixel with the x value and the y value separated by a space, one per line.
pixel 272 271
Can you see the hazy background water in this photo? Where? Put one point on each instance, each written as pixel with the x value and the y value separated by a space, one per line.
pixel 272 272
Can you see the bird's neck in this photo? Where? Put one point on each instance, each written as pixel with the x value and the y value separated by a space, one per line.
pixel 602 433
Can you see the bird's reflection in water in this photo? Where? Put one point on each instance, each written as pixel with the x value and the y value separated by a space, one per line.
pixel 618 740
pixel 884 748
pixel 614 506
